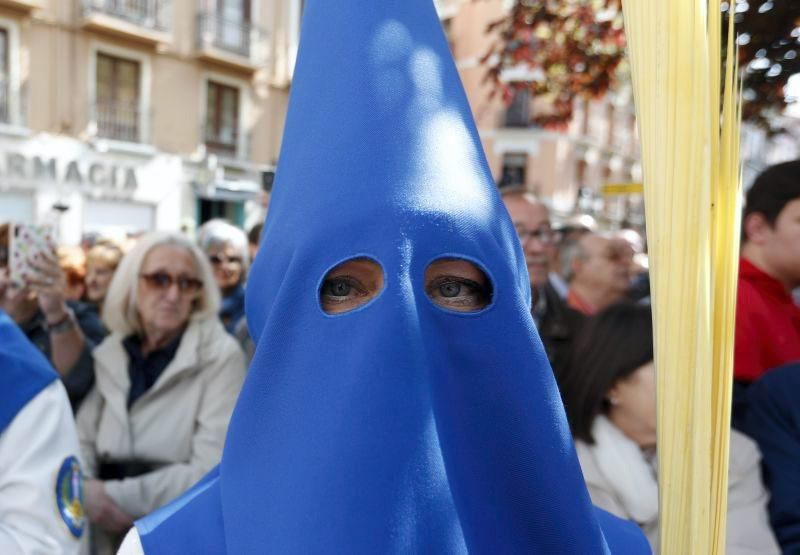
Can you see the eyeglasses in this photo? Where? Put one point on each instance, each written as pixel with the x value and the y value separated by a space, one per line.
pixel 162 281
pixel 544 235
pixel 217 259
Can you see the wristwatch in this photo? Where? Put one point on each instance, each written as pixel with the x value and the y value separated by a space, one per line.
pixel 65 324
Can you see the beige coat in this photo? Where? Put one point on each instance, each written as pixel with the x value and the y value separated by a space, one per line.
pixel 625 485
pixel 181 421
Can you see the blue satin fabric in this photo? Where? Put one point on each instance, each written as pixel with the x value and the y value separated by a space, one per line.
pixel 399 427
pixel 24 371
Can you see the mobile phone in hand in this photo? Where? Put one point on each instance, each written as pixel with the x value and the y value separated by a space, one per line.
pixel 26 242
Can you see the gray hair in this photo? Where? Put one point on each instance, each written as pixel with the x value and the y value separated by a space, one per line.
pixel 119 308
pixel 570 250
pixel 219 233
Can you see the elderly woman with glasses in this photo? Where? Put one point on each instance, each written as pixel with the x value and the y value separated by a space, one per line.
pixel 227 249
pixel 166 381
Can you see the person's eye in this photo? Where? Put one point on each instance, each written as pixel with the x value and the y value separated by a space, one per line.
pixel 458 293
pixel 341 288
pixel 458 285
pixel 187 283
pixel 162 280
pixel 450 289
pixel 349 285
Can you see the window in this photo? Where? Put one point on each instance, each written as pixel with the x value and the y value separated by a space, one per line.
pixel 209 209
pixel 5 81
pixel 234 10
pixel 234 17
pixel 222 118
pixel 518 113
pixel 514 169
pixel 151 14
pixel 117 98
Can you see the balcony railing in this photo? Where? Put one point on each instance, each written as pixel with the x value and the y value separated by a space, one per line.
pixel 240 38
pixel 217 144
pixel 149 14
pixel 118 121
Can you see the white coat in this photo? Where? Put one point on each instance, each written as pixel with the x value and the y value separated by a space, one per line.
pixel 180 422
pixel 623 481
pixel 32 450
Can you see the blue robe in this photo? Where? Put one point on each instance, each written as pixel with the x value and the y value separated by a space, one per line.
pixel 401 426
pixel 24 371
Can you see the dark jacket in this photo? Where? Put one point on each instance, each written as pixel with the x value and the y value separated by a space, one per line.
pixel 80 379
pixel 232 310
pixel 773 420
pixel 558 327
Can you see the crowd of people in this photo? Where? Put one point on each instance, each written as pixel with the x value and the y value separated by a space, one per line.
pixel 150 341
pixel 591 306
pixel 427 365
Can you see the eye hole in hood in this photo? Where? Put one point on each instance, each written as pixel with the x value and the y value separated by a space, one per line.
pixel 350 285
pixel 458 285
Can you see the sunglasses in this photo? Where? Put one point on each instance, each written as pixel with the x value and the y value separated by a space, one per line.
pixel 217 259
pixel 162 281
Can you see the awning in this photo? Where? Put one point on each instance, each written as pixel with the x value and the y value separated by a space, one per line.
pixel 229 190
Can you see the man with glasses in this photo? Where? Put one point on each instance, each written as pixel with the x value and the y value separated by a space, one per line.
pixel 598 270
pixel 556 322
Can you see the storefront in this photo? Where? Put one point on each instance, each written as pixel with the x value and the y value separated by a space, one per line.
pixel 84 188
pixel 233 190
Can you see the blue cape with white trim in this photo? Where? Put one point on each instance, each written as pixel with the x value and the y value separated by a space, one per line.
pixel 24 371
pixel 399 427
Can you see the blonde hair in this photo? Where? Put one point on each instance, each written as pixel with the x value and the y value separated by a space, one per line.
pixel 73 263
pixel 105 253
pixel 119 308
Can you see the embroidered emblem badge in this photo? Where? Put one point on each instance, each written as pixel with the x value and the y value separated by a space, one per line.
pixel 69 496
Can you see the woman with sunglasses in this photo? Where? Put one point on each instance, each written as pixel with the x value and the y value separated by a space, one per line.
pixel 167 378
pixel 227 249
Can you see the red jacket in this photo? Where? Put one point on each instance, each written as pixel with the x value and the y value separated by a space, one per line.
pixel 767 324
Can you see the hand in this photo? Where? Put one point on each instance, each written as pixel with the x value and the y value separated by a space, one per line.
pixel 102 510
pixel 47 281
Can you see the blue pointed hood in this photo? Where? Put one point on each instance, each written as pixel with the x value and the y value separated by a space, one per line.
pixel 24 371
pixel 399 427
